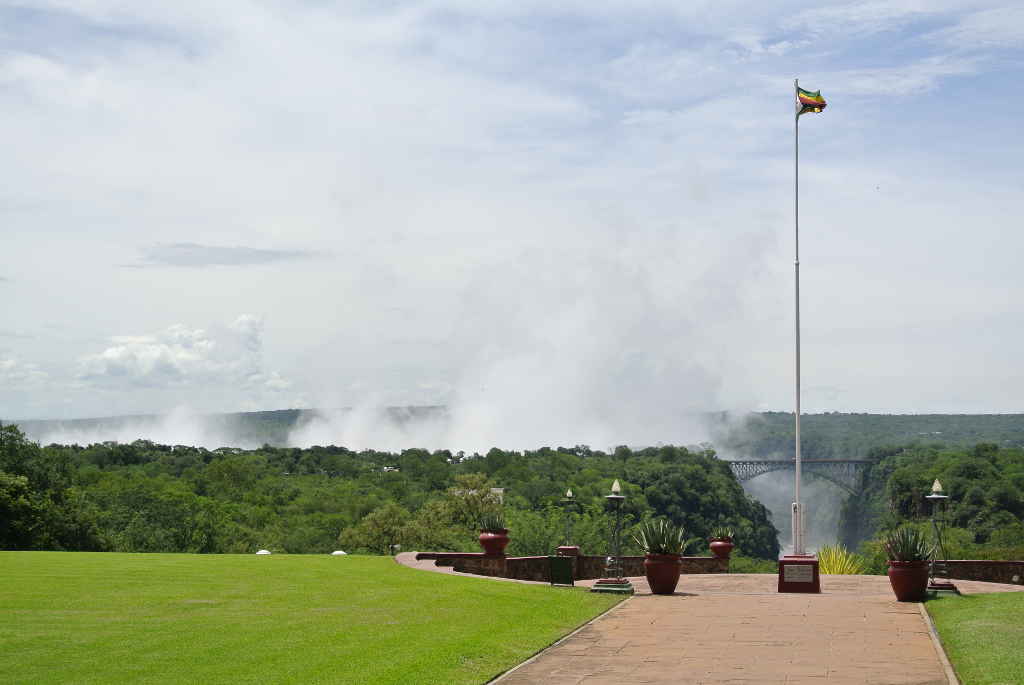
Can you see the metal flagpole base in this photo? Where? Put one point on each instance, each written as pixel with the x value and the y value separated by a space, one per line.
pixel 620 586
pixel 943 586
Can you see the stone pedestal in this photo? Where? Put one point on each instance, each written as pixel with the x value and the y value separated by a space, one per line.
pixel 614 585
pixel 942 586
pixel 799 573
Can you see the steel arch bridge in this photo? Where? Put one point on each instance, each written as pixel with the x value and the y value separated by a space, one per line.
pixel 846 473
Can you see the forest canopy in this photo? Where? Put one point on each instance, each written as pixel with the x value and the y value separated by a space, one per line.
pixel 146 497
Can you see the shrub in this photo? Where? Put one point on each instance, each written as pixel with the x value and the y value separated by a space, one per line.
pixel 660 537
pixel 741 564
pixel 492 521
pixel 907 544
pixel 722 533
pixel 837 560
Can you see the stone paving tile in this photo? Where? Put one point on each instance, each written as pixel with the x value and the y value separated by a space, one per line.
pixel 738 629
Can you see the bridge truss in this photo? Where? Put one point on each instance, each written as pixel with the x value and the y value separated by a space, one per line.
pixel 845 473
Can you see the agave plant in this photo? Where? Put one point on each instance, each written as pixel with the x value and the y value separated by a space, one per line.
pixel 660 537
pixel 492 521
pixel 907 544
pixel 837 560
pixel 721 533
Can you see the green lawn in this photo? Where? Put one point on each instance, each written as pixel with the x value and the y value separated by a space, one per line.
pixel 118 618
pixel 983 635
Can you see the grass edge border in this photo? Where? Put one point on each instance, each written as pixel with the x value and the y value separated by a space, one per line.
pixel 951 676
pixel 533 657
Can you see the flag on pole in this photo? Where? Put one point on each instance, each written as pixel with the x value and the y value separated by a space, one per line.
pixel 809 101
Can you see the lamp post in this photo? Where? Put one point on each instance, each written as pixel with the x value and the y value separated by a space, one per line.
pixel 613 580
pixel 568 504
pixel 938 567
pixel 615 501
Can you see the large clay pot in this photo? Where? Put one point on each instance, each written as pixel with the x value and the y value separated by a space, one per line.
pixel 722 548
pixel 909 580
pixel 662 572
pixel 494 541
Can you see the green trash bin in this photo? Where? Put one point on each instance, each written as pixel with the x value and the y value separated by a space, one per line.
pixel 561 570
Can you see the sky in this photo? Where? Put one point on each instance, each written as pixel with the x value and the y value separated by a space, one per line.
pixel 565 221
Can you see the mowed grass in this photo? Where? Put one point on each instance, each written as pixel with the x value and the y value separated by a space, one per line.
pixel 117 618
pixel 983 635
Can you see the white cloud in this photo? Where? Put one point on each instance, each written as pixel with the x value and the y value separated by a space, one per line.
pixel 852 18
pixel 998 28
pixel 175 355
pixel 183 356
pixel 15 374
pixel 904 80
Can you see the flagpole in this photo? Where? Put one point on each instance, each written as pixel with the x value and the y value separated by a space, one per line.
pixel 798 518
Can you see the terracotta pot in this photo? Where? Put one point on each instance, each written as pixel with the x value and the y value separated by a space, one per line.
pixel 722 548
pixel 909 580
pixel 494 541
pixel 662 572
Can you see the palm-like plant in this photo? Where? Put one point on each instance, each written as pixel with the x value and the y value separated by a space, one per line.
pixel 837 560
pixel 722 533
pixel 907 544
pixel 660 537
pixel 492 521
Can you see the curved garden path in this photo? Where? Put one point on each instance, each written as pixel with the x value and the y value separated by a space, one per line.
pixel 735 628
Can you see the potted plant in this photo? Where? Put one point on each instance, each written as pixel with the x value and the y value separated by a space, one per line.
pixel 721 541
pixel 663 545
pixel 493 534
pixel 908 552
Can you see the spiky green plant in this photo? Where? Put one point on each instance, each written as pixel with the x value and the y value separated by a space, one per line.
pixel 907 544
pixel 660 537
pixel 722 533
pixel 492 521
pixel 837 560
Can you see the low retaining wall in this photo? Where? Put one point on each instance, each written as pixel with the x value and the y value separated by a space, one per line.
pixel 989 571
pixel 587 567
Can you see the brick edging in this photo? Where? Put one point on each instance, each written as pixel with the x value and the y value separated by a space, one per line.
pixel 533 657
pixel 951 678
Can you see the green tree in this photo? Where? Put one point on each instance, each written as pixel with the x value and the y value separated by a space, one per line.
pixel 378 531
pixel 20 514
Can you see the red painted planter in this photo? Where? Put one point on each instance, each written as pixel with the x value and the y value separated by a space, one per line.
pixel 722 548
pixel 909 580
pixel 663 572
pixel 494 542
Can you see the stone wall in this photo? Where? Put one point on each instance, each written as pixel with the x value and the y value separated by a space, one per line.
pixel 537 568
pixel 990 571
pixel 590 567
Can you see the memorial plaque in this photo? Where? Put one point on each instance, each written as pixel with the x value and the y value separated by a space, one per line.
pixel 798 573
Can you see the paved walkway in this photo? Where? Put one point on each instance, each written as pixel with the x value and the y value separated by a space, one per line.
pixel 735 628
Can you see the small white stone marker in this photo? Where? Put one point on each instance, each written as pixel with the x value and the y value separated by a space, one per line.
pixel 338 553
pixel 263 551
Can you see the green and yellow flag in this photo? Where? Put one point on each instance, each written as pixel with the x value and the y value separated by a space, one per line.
pixel 809 101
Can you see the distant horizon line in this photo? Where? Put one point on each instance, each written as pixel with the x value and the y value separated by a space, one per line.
pixel 443 407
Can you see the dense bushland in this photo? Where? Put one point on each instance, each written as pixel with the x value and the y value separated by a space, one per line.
pixel 984 513
pixel 835 435
pixel 145 497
